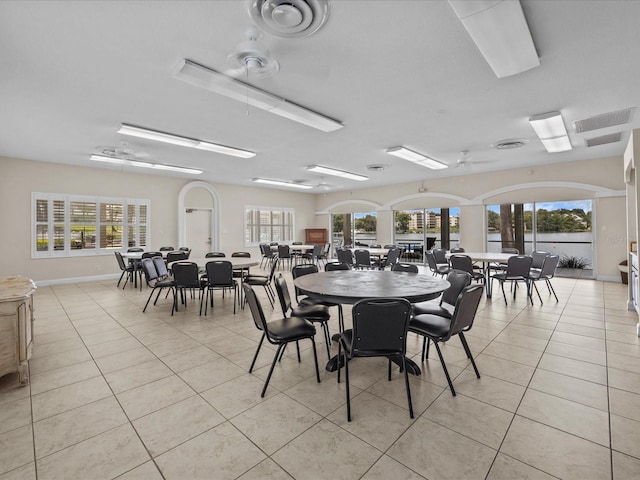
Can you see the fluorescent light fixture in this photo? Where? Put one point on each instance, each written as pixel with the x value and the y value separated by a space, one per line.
pixel 551 130
pixel 415 157
pixel 337 173
pixel 500 31
pixel 204 77
pixel 281 183
pixel 140 132
pixel 134 163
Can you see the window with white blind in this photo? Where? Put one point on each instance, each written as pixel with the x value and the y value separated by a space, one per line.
pixel 268 224
pixel 77 225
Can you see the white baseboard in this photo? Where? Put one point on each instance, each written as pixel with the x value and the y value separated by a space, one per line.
pixel 63 281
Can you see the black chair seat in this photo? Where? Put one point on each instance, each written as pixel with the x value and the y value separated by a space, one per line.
pixel 313 313
pixel 252 279
pixel 290 329
pixel 430 308
pixel 309 301
pixel 431 325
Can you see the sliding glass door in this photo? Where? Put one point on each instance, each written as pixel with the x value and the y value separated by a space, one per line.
pixel 423 229
pixel 354 229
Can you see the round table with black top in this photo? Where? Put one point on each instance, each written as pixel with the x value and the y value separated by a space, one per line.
pixel 351 286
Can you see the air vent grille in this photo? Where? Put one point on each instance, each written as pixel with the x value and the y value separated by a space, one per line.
pixel 605 120
pixel 604 139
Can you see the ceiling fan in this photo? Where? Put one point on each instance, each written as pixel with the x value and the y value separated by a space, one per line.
pixel 251 58
pixel 323 185
pixel 124 151
pixel 464 160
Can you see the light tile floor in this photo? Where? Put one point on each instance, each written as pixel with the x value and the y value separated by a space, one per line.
pixel 116 393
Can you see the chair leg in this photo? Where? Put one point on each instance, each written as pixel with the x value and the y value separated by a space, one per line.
pixel 406 383
pixel 550 287
pixel 148 299
pixel 315 357
pixel 298 350
pixel 273 364
pixel 346 378
pixel 444 367
pixel 538 292
pixel 158 295
pixel 503 294
pixel 255 356
pixel 468 351
pixel 426 341
pixel 120 279
pixel 327 339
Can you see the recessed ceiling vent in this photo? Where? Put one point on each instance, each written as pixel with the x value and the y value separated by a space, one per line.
pixel 289 18
pixel 604 139
pixel 605 120
pixel 510 143
pixel 376 167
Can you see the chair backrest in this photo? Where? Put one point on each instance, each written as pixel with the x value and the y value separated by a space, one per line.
pixel 151 254
pixel 318 250
pixel 296 243
pixel 363 257
pixel 241 255
pixel 457 250
pixel 345 256
pixel 303 269
pixel 176 256
pixel 283 251
pixel 215 255
pixel 518 266
pixel 333 266
pixel 256 308
pixel 461 262
pixel 219 273
pixel 186 250
pixel 120 260
pixel 404 267
pixel 549 266
pixel 440 255
pixel 538 257
pixel 273 244
pixel 161 267
pixel 510 250
pixel 185 274
pixel 149 270
pixel 135 249
pixel 283 294
pixel 167 249
pixel 431 261
pixel 390 246
pixel 392 256
pixel 458 280
pixel 380 326
pixel 465 311
pixel 274 265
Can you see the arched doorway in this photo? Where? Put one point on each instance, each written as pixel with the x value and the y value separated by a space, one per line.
pixel 198 206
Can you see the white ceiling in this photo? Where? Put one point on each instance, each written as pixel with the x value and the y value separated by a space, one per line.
pixel 394 72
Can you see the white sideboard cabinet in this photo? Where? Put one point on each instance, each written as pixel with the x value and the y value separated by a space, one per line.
pixel 16 326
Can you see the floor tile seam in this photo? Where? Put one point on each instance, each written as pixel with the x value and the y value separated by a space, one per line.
pixel 637 457
pixel 567 399
pixel 157 409
pixel 37 459
pixel 506 359
pixel 574 345
pixel 459 393
pixel 617 413
pixel 525 463
pixel 623 370
pixel 625 343
pixel 67 384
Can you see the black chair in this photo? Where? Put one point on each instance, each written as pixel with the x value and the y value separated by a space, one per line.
pixel 345 256
pixel 457 250
pixel 219 277
pixel 264 281
pixel 135 249
pixel 215 255
pixel 393 255
pixel 315 255
pixel 333 266
pixel 546 273
pixel 312 313
pixel 176 256
pixel 155 280
pixel 186 277
pixel 458 280
pixel 284 254
pixel 187 250
pixel 440 254
pixel 501 266
pixel 267 254
pixel 440 329
pixel 465 264
pixel 241 255
pixel 128 269
pixel 404 267
pixel 362 259
pixel 167 249
pixel 537 258
pixel 278 332
pixel 379 330
pixel 518 268
pixel 241 272
pixel 436 269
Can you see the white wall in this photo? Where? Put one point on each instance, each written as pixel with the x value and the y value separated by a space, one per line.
pixel 18 178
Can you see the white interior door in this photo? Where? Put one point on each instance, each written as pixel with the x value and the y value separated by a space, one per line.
pixel 198 231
